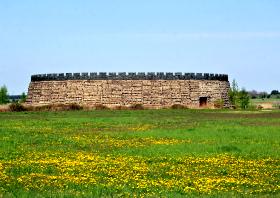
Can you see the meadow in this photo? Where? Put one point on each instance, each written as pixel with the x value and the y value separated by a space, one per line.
pixel 141 153
pixel 266 103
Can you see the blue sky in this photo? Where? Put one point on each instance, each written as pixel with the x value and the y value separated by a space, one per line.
pixel 237 37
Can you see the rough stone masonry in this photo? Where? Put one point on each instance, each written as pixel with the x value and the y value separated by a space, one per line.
pixel 153 90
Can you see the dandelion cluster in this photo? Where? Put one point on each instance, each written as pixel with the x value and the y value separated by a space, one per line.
pixel 108 141
pixel 141 153
pixel 41 171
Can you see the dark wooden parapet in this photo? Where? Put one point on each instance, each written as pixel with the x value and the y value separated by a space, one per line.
pixel 129 76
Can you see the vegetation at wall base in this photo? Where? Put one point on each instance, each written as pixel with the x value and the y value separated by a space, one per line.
pixel 152 153
pixel 136 107
pixel 100 107
pixel 178 106
pixel 219 104
pixel 238 98
pixel 16 106
pixel 53 107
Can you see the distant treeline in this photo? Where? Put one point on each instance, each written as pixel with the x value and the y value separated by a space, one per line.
pixel 262 94
pixel 14 97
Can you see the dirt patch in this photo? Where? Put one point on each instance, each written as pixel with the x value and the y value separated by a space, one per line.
pixel 4 108
pixel 266 105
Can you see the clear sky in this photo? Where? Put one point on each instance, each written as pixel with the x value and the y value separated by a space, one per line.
pixel 237 37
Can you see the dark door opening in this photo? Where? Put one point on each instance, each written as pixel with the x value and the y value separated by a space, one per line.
pixel 202 101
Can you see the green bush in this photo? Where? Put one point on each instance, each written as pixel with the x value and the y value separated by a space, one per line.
pixel 238 98
pixel 276 105
pixel 253 107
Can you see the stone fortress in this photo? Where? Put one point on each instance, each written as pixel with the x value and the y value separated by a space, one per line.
pixel 152 90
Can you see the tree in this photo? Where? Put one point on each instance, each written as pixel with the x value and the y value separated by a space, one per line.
pixel 263 94
pixel 233 93
pixel 23 97
pixel 243 99
pixel 237 98
pixel 4 95
pixel 274 92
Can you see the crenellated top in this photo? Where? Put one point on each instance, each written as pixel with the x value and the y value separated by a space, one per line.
pixel 129 76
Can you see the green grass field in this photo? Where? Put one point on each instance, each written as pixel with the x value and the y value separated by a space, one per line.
pixel 275 102
pixel 168 153
pixel 272 100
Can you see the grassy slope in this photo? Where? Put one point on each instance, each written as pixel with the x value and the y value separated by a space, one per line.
pixel 148 134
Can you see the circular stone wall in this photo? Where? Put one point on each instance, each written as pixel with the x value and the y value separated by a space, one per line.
pixel 154 90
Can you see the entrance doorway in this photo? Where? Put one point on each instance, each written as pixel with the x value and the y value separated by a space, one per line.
pixel 202 101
